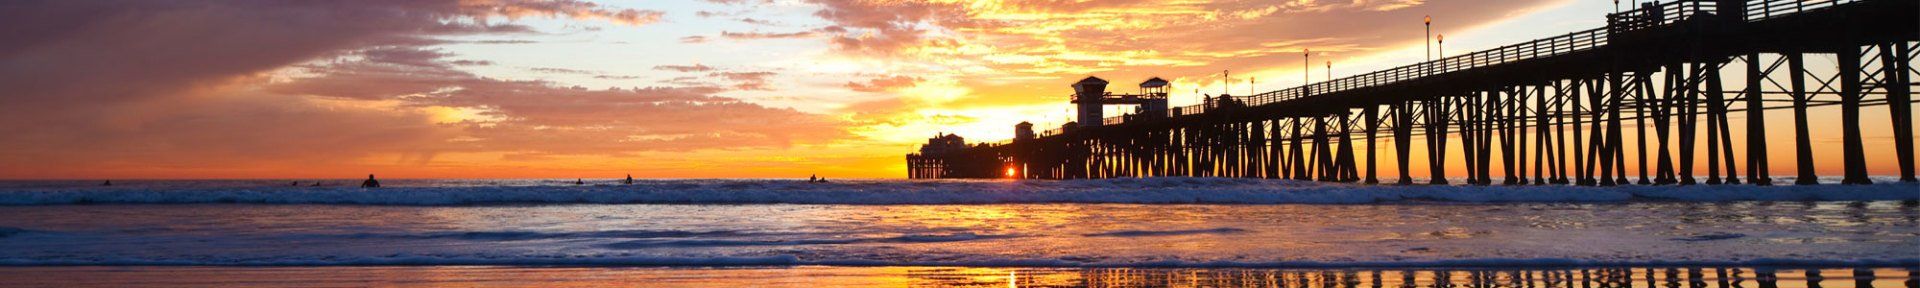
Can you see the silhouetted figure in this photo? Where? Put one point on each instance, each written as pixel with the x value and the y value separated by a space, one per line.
pixel 316 183
pixel 370 183
pixel 813 178
pixel 629 179
pixel 108 183
pixel 576 181
pixel 295 184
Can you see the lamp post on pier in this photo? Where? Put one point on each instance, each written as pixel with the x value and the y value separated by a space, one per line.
pixel 1441 41
pixel 1428 22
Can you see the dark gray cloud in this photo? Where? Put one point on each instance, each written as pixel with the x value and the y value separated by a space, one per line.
pixel 197 88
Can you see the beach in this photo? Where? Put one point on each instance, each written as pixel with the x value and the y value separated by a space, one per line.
pixel 894 276
pixel 658 230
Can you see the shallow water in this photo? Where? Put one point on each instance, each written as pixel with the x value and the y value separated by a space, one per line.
pixel 1172 190
pixel 827 276
pixel 1167 232
pixel 1871 233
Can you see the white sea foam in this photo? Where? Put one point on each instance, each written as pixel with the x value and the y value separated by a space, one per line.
pixel 1145 191
pixel 789 260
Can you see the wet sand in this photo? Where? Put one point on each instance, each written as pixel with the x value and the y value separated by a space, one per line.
pixel 843 276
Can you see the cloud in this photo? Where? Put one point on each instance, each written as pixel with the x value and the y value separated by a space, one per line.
pixel 537 116
pixel 560 70
pixel 765 35
pixel 693 39
pixel 746 80
pixel 883 84
pixel 762 22
pixel 405 56
pixel 684 68
pixel 738 2
pixel 252 88
pixel 513 9
pixel 470 62
pixel 1002 38
pixel 503 41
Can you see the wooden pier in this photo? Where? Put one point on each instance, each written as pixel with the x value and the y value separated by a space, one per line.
pixel 1557 109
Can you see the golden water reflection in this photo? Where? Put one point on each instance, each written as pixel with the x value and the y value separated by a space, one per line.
pixel 830 276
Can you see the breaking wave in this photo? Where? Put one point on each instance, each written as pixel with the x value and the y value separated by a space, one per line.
pixel 1141 191
pixel 790 260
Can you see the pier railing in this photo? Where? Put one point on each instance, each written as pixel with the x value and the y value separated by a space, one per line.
pixel 1767 9
pixel 1639 18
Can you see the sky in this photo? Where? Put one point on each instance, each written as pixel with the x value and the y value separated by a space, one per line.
pixel 656 89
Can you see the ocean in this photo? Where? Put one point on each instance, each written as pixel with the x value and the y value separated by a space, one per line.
pixel 949 233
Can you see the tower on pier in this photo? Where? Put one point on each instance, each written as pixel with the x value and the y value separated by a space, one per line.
pixel 1090 95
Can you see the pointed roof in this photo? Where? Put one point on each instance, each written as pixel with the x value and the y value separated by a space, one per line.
pixel 1091 80
pixel 1155 82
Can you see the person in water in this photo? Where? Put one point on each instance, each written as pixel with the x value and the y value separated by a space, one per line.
pixel 629 179
pixel 108 183
pixel 576 181
pixel 370 183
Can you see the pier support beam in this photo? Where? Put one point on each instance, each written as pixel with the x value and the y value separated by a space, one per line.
pixel 1853 148
pixel 1895 61
pixel 1372 115
pixel 1403 140
pixel 1437 140
pixel 1756 124
pixel 1802 139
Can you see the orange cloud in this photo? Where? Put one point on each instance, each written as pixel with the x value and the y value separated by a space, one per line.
pixel 310 89
pixel 884 83
pixel 513 9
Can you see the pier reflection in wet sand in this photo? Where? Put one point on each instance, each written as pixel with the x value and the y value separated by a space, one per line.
pixel 831 276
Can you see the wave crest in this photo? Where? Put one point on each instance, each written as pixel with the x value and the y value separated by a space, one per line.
pixel 1176 190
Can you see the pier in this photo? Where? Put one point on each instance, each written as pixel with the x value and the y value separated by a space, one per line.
pixel 1556 110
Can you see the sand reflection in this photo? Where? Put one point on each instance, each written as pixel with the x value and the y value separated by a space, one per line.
pixel 829 276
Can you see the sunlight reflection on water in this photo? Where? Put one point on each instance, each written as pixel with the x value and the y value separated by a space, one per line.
pixel 827 276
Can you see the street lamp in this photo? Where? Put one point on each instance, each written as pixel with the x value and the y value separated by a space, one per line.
pixel 1429 23
pixel 1441 41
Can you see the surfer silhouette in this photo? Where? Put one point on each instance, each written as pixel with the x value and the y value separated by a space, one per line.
pixel 629 179
pixel 370 183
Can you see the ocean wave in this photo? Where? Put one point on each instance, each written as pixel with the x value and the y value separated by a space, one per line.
pixel 10 231
pixel 1141 191
pixel 791 260
pixel 1149 233
pixel 533 235
pixel 642 244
